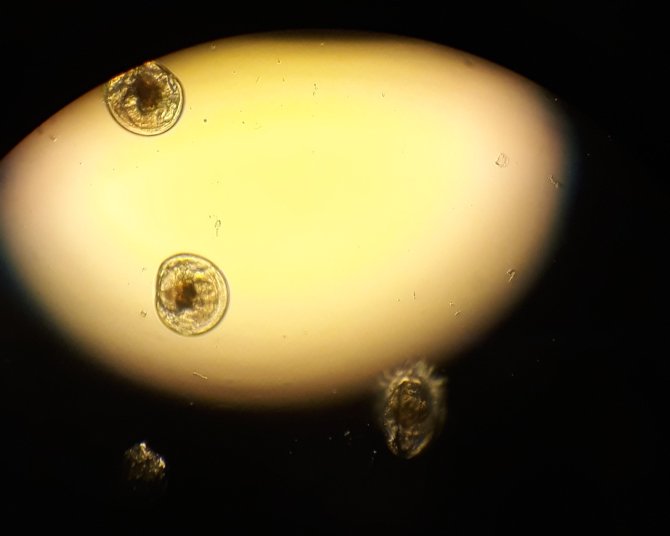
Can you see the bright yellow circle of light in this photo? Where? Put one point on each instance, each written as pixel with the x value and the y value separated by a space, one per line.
pixel 369 198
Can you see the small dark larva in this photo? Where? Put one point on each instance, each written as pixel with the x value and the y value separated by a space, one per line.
pixel 413 408
pixel 144 472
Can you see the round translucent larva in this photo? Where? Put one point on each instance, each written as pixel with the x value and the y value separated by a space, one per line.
pixel 413 408
pixel 145 100
pixel 191 294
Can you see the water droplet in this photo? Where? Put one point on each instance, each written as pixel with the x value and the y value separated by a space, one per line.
pixel 191 294
pixel 413 408
pixel 52 137
pixel 502 160
pixel 145 100
pixel 143 313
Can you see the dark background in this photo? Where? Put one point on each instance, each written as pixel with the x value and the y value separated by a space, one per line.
pixel 554 420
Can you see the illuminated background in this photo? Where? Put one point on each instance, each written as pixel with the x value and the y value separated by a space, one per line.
pixel 370 199
pixel 560 398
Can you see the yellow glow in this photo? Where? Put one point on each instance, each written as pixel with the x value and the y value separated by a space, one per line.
pixel 367 198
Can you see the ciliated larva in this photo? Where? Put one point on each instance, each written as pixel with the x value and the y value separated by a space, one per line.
pixel 146 100
pixel 191 294
pixel 413 408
